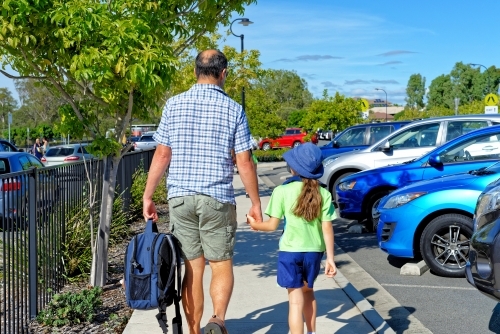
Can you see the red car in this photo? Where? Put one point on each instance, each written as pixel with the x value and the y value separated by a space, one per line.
pixel 291 138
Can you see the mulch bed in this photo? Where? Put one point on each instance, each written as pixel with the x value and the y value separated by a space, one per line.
pixel 113 315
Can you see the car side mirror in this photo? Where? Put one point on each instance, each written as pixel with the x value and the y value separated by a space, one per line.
pixel 335 144
pixel 385 147
pixel 435 160
pixel 21 150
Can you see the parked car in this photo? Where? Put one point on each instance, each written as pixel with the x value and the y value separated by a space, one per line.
pixel 409 142
pixel 324 134
pixel 146 141
pixel 359 137
pixel 13 189
pixel 291 138
pixel 6 146
pixel 358 194
pixel 433 219
pixel 62 154
pixel 482 270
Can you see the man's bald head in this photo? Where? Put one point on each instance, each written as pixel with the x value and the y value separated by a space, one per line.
pixel 210 63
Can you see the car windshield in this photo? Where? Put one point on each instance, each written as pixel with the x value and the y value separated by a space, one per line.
pixel 147 138
pixel 59 151
pixel 494 168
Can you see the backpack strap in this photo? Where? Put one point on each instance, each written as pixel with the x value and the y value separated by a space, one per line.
pixel 133 260
pixel 162 300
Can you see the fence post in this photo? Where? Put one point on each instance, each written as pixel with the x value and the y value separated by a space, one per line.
pixel 33 257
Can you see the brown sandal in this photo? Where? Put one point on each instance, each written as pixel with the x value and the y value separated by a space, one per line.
pixel 215 326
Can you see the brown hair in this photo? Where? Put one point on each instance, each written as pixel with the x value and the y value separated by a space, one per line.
pixel 309 202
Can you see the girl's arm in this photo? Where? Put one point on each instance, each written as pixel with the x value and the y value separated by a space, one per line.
pixel 330 268
pixel 269 225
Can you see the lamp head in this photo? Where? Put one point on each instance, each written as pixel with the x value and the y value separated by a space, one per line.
pixel 245 22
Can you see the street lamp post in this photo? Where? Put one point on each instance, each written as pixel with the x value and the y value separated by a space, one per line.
pixel 485 69
pixel 245 22
pixel 385 101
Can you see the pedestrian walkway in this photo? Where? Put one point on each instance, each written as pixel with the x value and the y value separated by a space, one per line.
pixel 258 305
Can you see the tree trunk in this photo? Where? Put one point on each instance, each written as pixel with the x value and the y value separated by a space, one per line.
pixel 99 271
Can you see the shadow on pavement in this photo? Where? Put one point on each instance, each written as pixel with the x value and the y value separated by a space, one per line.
pixel 494 324
pixel 274 319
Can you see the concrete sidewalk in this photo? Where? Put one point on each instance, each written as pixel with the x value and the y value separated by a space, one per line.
pixel 258 305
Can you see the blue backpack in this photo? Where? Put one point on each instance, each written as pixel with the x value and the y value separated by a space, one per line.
pixel 152 266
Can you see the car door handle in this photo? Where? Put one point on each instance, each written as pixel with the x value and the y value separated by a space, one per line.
pixel 489 148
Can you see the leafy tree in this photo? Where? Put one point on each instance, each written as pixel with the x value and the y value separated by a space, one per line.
pixel 39 104
pixel 288 89
pixel 415 91
pixel 440 92
pixel 7 104
pixel 335 113
pixel 106 59
pixel 464 80
pixel 295 118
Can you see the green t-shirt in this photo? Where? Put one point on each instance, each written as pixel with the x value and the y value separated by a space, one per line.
pixel 299 235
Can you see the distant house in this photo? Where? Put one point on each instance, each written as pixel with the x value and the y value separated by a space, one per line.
pixel 378 106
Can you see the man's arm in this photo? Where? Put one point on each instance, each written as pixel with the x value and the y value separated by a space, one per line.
pixel 159 165
pixel 248 175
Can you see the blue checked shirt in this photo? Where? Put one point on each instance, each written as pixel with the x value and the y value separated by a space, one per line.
pixel 201 126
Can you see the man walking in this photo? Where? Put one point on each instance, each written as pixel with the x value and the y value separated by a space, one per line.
pixel 201 197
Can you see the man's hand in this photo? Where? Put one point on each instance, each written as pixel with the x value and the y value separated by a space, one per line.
pixel 256 213
pixel 149 210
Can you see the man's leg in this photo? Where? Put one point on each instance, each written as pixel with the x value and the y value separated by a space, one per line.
pixel 192 293
pixel 221 286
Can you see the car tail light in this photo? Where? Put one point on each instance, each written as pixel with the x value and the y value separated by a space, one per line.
pixel 71 158
pixel 43 159
pixel 10 185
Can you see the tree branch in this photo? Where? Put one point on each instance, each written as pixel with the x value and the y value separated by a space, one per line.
pixel 61 90
pixel 188 43
pixel 189 10
pixel 10 76
pixel 127 117
pixel 83 89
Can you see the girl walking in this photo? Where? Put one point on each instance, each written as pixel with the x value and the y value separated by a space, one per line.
pixel 308 233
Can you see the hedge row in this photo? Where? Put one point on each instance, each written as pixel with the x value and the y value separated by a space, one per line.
pixel 271 155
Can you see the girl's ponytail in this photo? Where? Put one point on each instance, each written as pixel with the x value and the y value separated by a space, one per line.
pixel 309 201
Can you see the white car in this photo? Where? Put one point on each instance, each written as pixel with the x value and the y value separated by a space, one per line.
pixel 405 144
pixel 146 141
pixel 62 154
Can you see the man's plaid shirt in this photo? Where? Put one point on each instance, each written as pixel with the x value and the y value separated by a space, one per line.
pixel 201 126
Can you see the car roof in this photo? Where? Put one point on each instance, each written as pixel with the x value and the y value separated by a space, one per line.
pixel 11 154
pixel 68 145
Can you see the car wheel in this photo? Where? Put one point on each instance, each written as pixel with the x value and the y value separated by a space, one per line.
pixel 371 213
pixel 445 244
pixel 266 146
pixel 297 143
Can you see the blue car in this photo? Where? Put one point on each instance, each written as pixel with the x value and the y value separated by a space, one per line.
pixel 359 194
pixel 433 219
pixel 360 136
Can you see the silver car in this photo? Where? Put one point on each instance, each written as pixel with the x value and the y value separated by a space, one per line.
pixel 146 141
pixel 62 154
pixel 407 143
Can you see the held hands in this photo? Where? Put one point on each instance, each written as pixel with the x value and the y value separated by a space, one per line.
pixel 330 268
pixel 253 223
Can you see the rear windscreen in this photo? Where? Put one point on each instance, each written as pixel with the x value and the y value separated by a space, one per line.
pixel 4 166
pixel 59 152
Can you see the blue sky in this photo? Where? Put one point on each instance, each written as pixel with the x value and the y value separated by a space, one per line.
pixel 355 46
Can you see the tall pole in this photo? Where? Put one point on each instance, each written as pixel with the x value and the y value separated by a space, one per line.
pixel 485 69
pixel 245 22
pixel 385 102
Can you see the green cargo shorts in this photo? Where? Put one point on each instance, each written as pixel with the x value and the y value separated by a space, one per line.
pixel 203 226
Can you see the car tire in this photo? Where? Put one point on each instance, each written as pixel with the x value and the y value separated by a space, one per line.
pixel 295 144
pixel 444 254
pixel 372 204
pixel 266 147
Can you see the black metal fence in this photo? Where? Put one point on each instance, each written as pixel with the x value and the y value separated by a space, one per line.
pixel 34 207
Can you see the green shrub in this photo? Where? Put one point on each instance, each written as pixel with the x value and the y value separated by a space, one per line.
pixel 77 251
pixel 71 308
pixel 271 155
pixel 139 179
